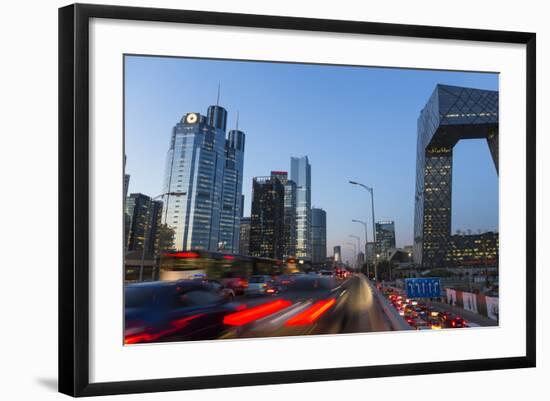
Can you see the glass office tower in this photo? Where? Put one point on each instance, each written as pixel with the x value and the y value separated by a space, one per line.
pixel 451 114
pixel 300 173
pixel 232 202
pixel 267 218
pixel 385 237
pixel 203 176
pixel 244 237
pixel 289 213
pixel 318 235
pixel 337 254
pixel 143 223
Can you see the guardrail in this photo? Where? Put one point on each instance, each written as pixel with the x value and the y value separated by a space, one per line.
pixel 396 320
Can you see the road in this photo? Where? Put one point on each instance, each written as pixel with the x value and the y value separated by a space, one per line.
pixel 350 307
pixel 299 305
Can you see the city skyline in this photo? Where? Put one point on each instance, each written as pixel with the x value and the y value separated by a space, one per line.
pixel 291 136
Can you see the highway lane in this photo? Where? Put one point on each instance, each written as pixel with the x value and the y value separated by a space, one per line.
pixel 349 307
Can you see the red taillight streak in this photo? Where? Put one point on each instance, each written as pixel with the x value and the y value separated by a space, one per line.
pixel 312 313
pixel 149 337
pixel 185 255
pixel 180 323
pixel 257 312
pixel 229 257
pixel 140 338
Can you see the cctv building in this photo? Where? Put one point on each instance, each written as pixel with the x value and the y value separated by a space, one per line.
pixel 451 114
pixel 203 182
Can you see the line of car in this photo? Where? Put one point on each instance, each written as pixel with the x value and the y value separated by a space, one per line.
pixel 200 308
pixel 421 316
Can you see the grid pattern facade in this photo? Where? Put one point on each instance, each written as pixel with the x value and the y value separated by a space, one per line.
pixel 451 114
pixel 267 218
pixel 385 236
pixel 203 175
pixel 300 173
pixel 289 213
pixel 143 223
pixel 318 235
pixel 231 211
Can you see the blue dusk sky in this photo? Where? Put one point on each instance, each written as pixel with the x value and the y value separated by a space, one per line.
pixel 354 123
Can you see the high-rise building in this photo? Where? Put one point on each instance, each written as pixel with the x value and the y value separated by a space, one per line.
pixel 385 236
pixel 267 218
pixel 232 198
pixel 318 235
pixel 300 173
pixel 451 114
pixel 145 216
pixel 371 254
pixel 244 237
pixel 337 254
pixel 203 182
pixel 125 186
pixel 289 213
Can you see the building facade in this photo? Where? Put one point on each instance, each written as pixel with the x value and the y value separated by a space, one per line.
pixel 143 223
pixel 473 250
pixel 232 201
pixel 300 173
pixel 203 182
pixel 385 236
pixel 267 218
pixel 289 213
pixel 451 114
pixel 244 237
pixel 337 254
pixel 371 254
pixel 318 236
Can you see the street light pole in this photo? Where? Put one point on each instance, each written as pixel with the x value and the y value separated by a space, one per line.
pixel 366 243
pixel 371 191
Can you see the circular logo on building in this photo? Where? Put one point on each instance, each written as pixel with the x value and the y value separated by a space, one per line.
pixel 191 118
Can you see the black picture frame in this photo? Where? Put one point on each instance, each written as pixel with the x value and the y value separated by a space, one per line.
pixel 74 198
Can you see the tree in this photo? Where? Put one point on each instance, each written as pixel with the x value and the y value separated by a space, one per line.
pixel 166 238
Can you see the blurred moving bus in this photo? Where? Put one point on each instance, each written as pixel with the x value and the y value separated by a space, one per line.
pixel 232 270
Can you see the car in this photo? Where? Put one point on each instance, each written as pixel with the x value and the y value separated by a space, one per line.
pixel 217 286
pixel 456 322
pixel 434 323
pixel 234 282
pixel 161 311
pixel 307 305
pixel 257 285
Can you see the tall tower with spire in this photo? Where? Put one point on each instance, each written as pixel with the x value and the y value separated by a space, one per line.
pixel 232 197
pixel 203 182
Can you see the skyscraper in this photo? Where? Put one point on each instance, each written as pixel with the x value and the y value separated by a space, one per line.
pixel 244 237
pixel 385 237
pixel 318 235
pixel 144 220
pixel 289 213
pixel 232 201
pixel 267 218
pixel 203 182
pixel 337 254
pixel 300 173
pixel 451 114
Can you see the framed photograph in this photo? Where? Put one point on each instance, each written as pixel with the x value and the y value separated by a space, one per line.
pixel 251 199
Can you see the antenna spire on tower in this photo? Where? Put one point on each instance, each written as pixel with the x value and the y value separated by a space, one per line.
pixel 218 98
pixel 237 124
